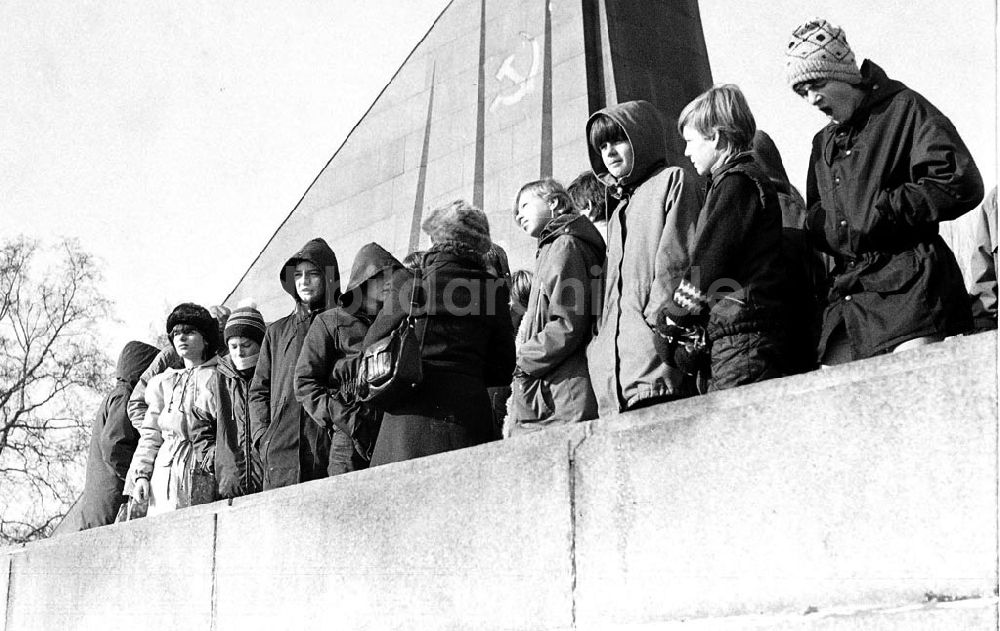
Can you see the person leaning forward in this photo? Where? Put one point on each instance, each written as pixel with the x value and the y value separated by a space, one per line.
pixel 883 174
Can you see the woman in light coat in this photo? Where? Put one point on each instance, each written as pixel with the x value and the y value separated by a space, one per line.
pixel 173 464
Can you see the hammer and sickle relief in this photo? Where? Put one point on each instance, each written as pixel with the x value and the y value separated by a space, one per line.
pixel 508 72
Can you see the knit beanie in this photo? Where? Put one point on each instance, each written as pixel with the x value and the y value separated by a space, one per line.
pixel 198 317
pixel 246 322
pixel 819 50
pixel 459 224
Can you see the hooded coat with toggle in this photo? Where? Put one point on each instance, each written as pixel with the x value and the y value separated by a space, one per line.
pixel 293 448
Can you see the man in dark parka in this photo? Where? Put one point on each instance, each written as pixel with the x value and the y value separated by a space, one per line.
pixel 113 441
pixel 292 447
pixel 882 176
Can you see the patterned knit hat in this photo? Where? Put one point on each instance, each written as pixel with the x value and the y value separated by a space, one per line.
pixel 819 50
pixel 460 224
pixel 246 322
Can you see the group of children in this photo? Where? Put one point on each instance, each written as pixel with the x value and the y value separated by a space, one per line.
pixel 648 286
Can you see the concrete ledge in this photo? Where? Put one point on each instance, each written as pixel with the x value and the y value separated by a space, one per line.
pixel 149 574
pixel 481 536
pixel 791 494
pixel 964 615
pixel 850 493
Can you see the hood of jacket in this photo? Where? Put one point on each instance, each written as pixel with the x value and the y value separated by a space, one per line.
pixel 317 252
pixel 370 261
pixel 768 158
pixel 643 127
pixel 134 359
pixel 574 225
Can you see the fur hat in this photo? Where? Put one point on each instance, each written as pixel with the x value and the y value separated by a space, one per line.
pixel 819 50
pixel 246 322
pixel 198 317
pixel 461 225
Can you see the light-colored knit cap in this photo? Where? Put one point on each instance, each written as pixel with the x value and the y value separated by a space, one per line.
pixel 819 50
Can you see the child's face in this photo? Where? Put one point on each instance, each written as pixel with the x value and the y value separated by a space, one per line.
pixel 534 213
pixel 188 342
pixel 308 282
pixel 617 158
pixel 242 346
pixel 704 152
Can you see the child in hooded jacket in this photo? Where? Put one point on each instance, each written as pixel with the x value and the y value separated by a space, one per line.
pixel 292 447
pixel 652 210
pixel 551 382
pixel 333 341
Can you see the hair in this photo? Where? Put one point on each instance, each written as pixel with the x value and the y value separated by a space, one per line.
pixel 587 188
pixel 604 129
pixel 548 189
pixel 721 109
pixel 520 287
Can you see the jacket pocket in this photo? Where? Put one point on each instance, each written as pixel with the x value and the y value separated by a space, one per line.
pixel 898 273
pixel 531 399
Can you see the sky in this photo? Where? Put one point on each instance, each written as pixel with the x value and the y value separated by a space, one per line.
pixel 172 138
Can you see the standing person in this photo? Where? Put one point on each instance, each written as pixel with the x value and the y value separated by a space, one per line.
pixel 112 441
pixel 328 395
pixel 652 213
pixel 735 283
pixel 237 464
pixel 587 193
pixel 172 465
pixel 292 447
pixel 882 175
pixel 805 268
pixel 468 341
pixel 551 382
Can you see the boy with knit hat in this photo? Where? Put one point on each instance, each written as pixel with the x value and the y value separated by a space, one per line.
pixel 882 175
pixel 237 463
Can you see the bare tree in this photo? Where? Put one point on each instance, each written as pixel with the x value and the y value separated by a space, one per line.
pixel 52 372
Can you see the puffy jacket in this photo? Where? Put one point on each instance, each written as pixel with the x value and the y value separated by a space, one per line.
pixel 336 335
pixel 878 186
pixel 292 447
pixel 237 464
pixel 554 383
pixel 650 231
pixel 177 438
pixel 113 441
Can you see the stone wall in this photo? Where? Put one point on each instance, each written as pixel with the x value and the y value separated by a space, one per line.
pixel 859 497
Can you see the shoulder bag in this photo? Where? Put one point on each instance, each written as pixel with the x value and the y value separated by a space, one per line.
pixel 392 366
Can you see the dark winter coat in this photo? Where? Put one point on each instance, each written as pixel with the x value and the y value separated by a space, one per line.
pixel 468 345
pixel 650 230
pixel 112 441
pixel 292 447
pixel 736 279
pixel 336 335
pixel 805 267
pixel 237 464
pixel 878 186
pixel 553 384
